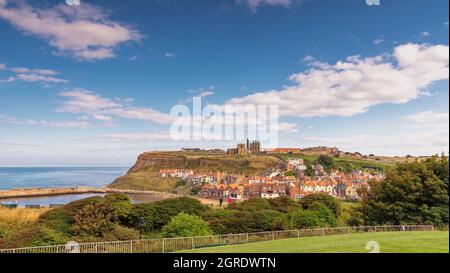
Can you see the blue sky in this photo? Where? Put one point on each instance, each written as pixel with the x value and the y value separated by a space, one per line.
pixel 93 84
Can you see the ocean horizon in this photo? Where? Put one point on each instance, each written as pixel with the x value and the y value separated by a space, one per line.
pixel 58 177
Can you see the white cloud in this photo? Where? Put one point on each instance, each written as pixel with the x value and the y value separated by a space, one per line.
pixel 80 101
pixel 378 41
pixel 33 75
pixel 9 79
pixel 169 55
pixel 429 120
pixel 102 117
pixel 255 4
pixel 44 123
pixel 134 58
pixel 136 137
pixel 352 86
pixel 44 72
pixel 424 133
pixel 2 66
pixel 424 34
pixel 39 78
pixel 84 32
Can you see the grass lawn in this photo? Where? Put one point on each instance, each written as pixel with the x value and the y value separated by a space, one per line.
pixel 389 242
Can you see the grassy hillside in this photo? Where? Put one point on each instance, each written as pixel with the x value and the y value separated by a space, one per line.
pixel 345 162
pixel 389 242
pixel 144 174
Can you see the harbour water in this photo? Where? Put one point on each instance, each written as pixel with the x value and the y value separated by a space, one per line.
pixel 46 201
pixel 61 177
pixel 58 177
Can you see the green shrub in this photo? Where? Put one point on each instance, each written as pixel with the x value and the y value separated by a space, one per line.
pixel 329 201
pixel 94 220
pixel 325 213
pixel 158 214
pixel 45 237
pixel 121 203
pixel 262 220
pixel 254 204
pixel 284 204
pixel 145 212
pixel 58 219
pixel 302 219
pixel 185 225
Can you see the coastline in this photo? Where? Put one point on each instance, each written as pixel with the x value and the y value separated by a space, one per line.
pixel 42 192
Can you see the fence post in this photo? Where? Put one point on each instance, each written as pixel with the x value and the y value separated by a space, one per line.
pixel 163 245
pixel 131 246
pixel 247 237
pixel 375 229
pixel 96 248
pixel 193 244
pixel 273 235
pixel 298 233
pixel 323 232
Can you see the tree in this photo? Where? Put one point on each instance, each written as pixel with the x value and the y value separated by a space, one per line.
pixel 306 219
pixel 185 225
pixel 413 193
pixel 121 204
pixel 329 201
pixel 326 161
pixel 158 214
pixel 284 204
pixel 254 204
pixel 94 220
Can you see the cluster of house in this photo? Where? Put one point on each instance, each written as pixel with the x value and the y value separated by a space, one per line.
pixel 289 180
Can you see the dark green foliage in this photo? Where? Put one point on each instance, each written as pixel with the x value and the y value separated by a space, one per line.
pixel 240 221
pixel 121 203
pixel 302 219
pixel 253 204
pixel 185 225
pixel 158 214
pixel 325 213
pixel 94 220
pixel 329 201
pixel 284 204
pixel 58 219
pixel 326 161
pixel 413 193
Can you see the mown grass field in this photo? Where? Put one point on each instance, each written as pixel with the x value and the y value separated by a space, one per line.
pixel 389 242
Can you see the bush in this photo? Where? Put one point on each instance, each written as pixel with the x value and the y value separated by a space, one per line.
pixel 58 219
pixel 121 204
pixel 254 204
pixel 329 201
pixel 302 219
pixel 325 213
pixel 158 214
pixel 326 161
pixel 120 233
pixel 45 237
pixel 185 225
pixel 237 221
pixel 145 212
pixel 94 220
pixel 262 220
pixel 284 204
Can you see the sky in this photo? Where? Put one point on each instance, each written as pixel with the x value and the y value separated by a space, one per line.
pixel 94 84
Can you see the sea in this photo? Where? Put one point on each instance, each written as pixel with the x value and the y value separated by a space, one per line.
pixel 59 177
